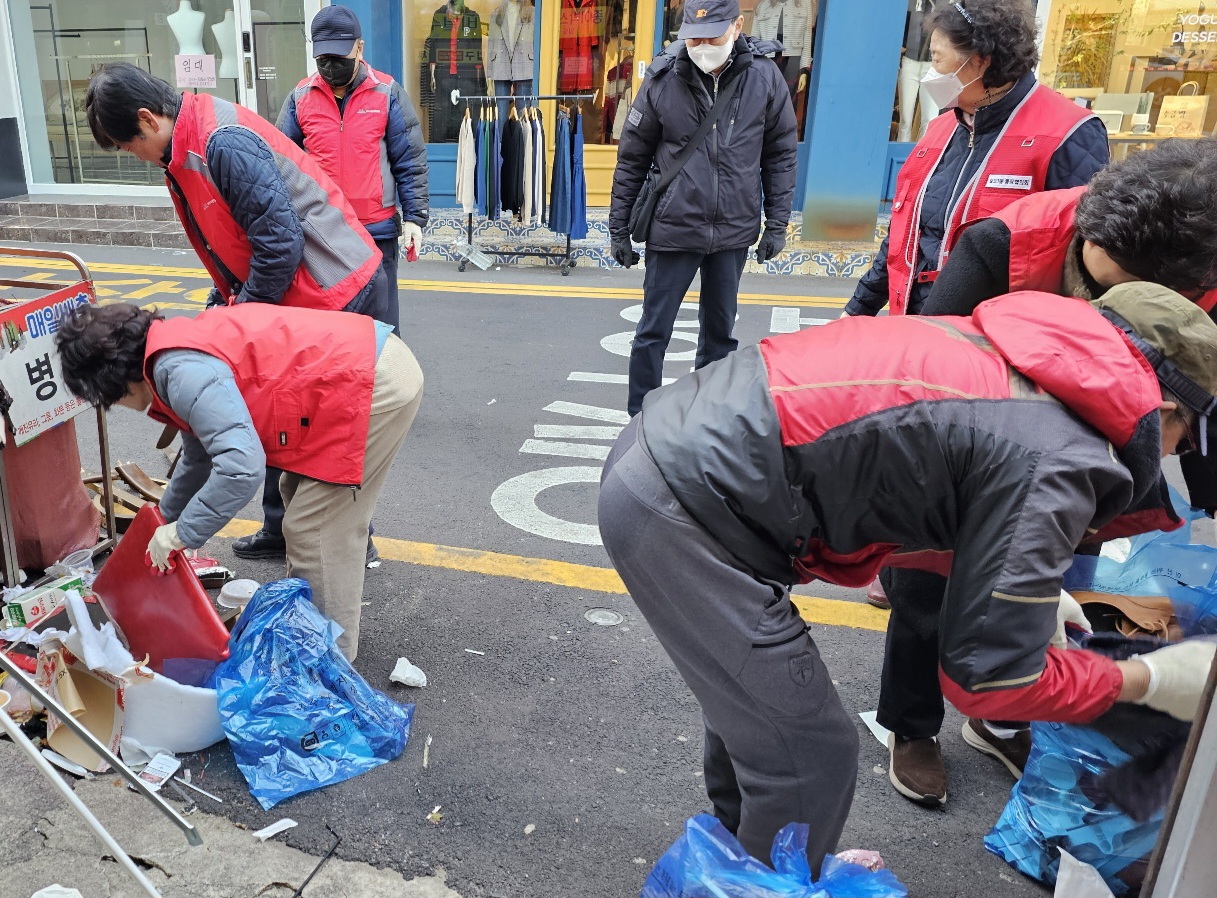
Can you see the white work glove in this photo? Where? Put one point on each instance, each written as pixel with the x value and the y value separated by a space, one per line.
pixel 1177 676
pixel 164 542
pixel 1068 611
pixel 411 233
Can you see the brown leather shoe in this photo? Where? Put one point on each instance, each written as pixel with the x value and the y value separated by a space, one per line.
pixel 1012 752
pixel 876 596
pixel 916 770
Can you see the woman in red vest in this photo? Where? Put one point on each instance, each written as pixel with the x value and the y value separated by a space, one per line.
pixel 324 396
pixel 1001 138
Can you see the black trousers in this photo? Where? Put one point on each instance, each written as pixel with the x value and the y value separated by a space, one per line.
pixel 910 696
pixel 390 250
pixel 667 279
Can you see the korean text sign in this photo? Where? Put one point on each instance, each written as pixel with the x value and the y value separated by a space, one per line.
pixel 30 374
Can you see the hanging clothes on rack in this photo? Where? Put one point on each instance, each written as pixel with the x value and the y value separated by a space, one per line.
pixel 479 163
pixel 540 212
pixel 496 165
pixel 526 165
pixel 559 198
pixel 578 190
pixel 466 165
pixel 512 178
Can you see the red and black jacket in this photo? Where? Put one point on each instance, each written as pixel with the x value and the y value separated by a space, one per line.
pixel 1000 441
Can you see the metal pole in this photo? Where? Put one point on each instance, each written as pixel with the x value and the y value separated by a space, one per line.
pixel 23 680
pixel 7 534
pixel 52 776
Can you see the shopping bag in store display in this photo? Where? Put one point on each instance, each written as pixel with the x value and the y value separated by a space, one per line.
pixel 709 860
pixel 296 713
pixel 164 617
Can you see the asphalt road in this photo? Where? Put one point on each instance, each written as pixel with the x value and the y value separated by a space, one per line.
pixel 564 756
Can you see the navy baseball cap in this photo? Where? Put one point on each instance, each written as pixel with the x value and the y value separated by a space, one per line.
pixel 335 30
pixel 707 18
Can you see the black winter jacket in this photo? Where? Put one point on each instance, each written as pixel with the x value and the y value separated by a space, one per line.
pixel 715 202
pixel 1074 163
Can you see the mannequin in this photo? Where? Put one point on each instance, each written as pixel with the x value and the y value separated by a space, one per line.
pixel 226 40
pixel 454 62
pixel 187 26
pixel 509 60
pixel 913 67
pixel 788 22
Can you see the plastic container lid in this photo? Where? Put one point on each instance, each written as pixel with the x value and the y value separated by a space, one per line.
pixel 237 593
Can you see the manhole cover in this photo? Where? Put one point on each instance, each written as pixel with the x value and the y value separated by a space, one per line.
pixel 603 617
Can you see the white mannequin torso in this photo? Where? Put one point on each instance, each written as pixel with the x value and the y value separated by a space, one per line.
pixel 187 26
pixel 226 39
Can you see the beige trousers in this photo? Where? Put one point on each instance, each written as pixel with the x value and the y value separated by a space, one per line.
pixel 326 526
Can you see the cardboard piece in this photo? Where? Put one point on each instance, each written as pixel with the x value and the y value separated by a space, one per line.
pixel 161 615
pixel 94 699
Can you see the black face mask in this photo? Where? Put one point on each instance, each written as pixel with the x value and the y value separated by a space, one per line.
pixel 336 71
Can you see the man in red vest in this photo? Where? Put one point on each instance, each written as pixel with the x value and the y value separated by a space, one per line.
pixel 326 397
pixel 361 128
pixel 268 223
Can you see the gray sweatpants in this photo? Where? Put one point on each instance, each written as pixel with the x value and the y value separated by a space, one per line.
pixel 779 747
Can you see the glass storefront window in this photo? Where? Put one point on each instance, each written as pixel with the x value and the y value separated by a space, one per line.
pixel 596 56
pixel 58 44
pixel 448 47
pixel 1148 68
pixel 914 107
pixel 790 22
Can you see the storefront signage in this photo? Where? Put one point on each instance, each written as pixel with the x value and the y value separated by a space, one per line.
pixel 1196 21
pixel 30 375
pixel 195 71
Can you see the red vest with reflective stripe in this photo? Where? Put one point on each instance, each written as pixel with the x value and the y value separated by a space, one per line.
pixel 1041 233
pixel 339 256
pixel 1016 166
pixel 306 375
pixel 350 147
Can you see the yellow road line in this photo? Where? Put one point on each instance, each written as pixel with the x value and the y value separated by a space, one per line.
pixel 571 291
pixel 815 610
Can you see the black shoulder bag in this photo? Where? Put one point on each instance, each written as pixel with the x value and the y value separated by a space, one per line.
pixel 655 184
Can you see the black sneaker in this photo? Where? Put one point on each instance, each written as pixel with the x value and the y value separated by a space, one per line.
pixel 1011 752
pixel 262 545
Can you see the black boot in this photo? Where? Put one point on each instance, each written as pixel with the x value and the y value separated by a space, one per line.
pixel 262 545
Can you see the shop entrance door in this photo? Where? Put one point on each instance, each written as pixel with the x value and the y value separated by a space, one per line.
pixel 271 51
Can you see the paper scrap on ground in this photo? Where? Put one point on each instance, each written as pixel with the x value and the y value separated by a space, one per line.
pixel 159 769
pixel 274 829
pixel 870 719
pixel 407 674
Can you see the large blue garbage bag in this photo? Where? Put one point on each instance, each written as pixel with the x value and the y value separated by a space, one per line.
pixel 707 860
pixel 297 715
pixel 1057 805
pixel 1160 564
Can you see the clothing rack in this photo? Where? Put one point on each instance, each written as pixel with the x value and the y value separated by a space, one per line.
pixel 472 253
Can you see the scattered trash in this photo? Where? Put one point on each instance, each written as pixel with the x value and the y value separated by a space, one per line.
pixel 297 714
pixel 427 752
pixel 186 782
pixel 159 769
pixel 64 764
pixel 492 402
pixel 57 891
pixel 237 593
pixel 321 863
pixel 603 617
pixel 530 829
pixel 435 816
pixel 1078 880
pixel 474 652
pixel 407 674
pixel 861 857
pixel 279 826
pixel 708 860
pixel 870 719
pixel 190 804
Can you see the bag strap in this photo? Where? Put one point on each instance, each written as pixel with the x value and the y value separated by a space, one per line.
pixel 699 136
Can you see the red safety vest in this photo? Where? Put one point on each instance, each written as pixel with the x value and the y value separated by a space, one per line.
pixel 350 146
pixel 1016 166
pixel 306 375
pixel 339 256
pixel 1041 233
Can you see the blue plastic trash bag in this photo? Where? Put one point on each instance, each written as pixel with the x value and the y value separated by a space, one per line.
pixel 297 715
pixel 708 861
pixel 1160 564
pixel 1050 808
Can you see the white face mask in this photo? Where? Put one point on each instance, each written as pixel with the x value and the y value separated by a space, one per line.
pixel 709 57
pixel 944 90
